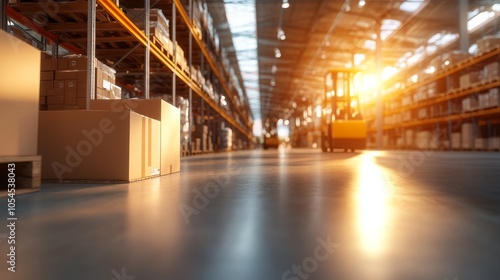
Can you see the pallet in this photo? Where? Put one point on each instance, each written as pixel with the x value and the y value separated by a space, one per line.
pixel 27 172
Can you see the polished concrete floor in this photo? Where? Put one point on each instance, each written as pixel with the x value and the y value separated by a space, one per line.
pixel 264 215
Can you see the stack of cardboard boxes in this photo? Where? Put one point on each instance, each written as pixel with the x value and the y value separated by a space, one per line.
pixel 159 25
pixel 63 83
pixel 488 43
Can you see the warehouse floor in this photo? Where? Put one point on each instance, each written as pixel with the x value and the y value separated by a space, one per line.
pixel 259 215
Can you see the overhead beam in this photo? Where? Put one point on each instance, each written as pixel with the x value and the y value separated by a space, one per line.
pixel 101 39
pixel 82 27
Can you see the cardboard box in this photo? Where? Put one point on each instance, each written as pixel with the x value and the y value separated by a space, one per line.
pixel 45 86
pixel 46 75
pixel 70 98
pixel 66 75
pixel 469 79
pixel 55 91
pixel 19 96
pixel 55 99
pixel 81 102
pixel 48 64
pixel 55 107
pixel 98 145
pixel 157 109
pixel 70 86
pixel 60 85
pixel 492 71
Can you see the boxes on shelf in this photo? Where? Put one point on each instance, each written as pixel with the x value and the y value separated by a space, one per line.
pixel 69 82
pixel 469 132
pixel 406 100
pixel 423 113
pixel 487 43
pixel 481 144
pixel 483 100
pixel 409 138
pixel 456 140
pixel 434 89
pixel 159 24
pixel 452 58
pixel 494 143
pixel 494 98
pixel 98 145
pixel 470 104
pixel 469 79
pixel 422 140
pixel 492 71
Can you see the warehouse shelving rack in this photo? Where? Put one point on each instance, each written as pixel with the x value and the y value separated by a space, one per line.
pixel 444 107
pixel 121 44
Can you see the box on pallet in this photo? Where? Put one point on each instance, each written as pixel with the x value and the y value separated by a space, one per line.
pixel 494 143
pixel 422 140
pixel 481 144
pixel 452 58
pixel 469 132
pixel 469 79
pixel 483 100
pixel 492 71
pixel 470 104
pixel 487 43
pixel 456 140
pixel 494 98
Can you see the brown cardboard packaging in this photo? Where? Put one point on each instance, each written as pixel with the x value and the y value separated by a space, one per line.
pixel 70 98
pixel 66 75
pixel 55 99
pixel 70 86
pixel 48 64
pixel 81 102
pixel 60 84
pixel 47 76
pixel 157 109
pixel 45 86
pixel 98 145
pixel 19 96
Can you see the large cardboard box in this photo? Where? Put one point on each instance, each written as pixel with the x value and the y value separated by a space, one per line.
pixel 98 145
pixel 19 96
pixel 157 109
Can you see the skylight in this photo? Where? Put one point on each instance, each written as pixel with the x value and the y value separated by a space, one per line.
pixel 411 6
pixel 242 23
pixel 479 20
pixel 388 27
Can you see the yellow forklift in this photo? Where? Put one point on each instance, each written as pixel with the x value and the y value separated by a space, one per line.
pixel 342 125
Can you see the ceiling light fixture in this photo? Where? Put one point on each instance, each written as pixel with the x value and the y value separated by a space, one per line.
pixel 274 69
pixel 285 4
pixel 273 82
pixel 277 53
pixel 281 34
pixel 347 7
pixel 361 3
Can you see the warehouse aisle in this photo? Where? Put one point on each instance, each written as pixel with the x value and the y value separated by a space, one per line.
pixel 287 214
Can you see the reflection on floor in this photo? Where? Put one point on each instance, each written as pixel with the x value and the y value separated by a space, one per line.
pixel 277 214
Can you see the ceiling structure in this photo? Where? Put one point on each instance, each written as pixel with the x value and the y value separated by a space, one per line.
pixel 296 45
